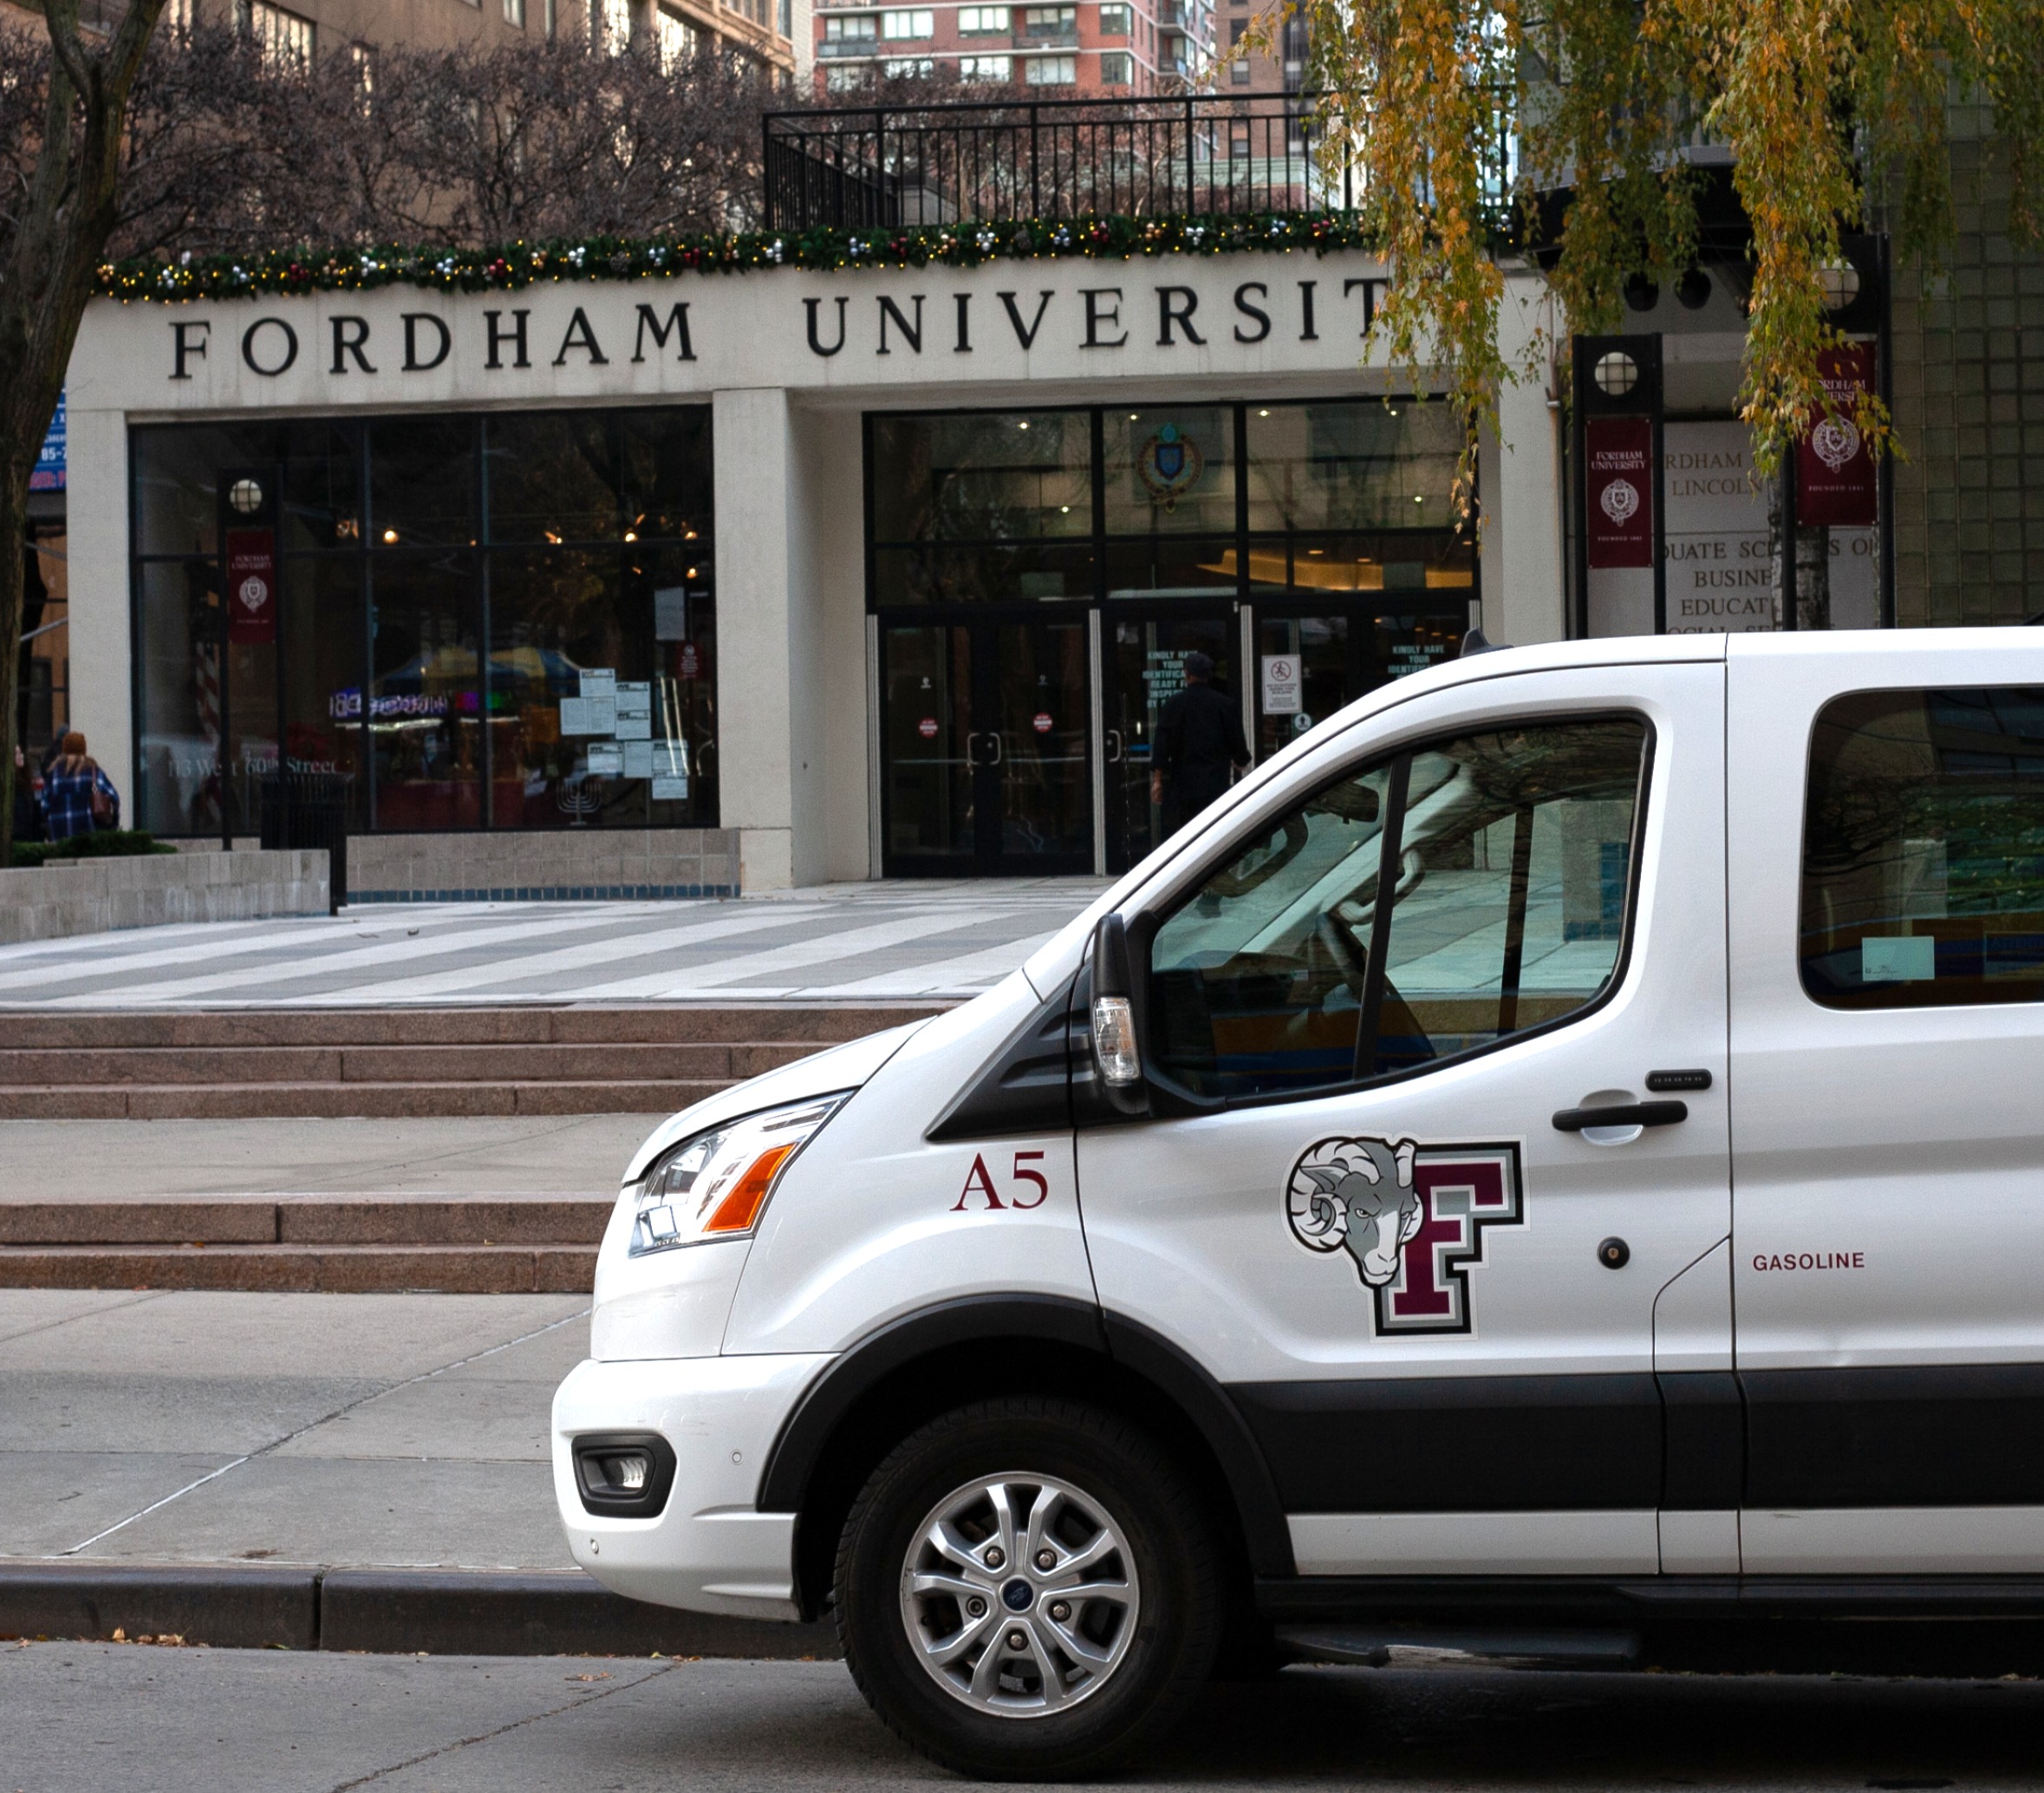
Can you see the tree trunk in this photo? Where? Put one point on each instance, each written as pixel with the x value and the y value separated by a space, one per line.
pixel 64 218
pixel 14 521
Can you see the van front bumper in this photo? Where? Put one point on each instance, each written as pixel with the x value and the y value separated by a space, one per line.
pixel 708 1549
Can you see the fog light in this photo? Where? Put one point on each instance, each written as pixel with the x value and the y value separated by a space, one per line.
pixel 629 1475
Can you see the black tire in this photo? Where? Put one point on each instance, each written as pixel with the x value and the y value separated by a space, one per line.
pixel 1172 1635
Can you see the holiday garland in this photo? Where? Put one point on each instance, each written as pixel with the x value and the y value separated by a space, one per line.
pixel 513 266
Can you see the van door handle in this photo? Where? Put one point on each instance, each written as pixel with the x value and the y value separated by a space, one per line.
pixel 1621 1114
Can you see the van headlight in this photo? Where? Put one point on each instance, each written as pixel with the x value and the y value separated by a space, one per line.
pixel 715 1184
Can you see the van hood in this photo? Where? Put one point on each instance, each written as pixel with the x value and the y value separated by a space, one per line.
pixel 844 1066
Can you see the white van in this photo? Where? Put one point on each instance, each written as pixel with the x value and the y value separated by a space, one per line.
pixel 1637 1220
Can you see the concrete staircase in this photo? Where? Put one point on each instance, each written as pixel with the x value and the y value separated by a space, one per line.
pixel 332 1244
pixel 384 1063
pixel 377 1063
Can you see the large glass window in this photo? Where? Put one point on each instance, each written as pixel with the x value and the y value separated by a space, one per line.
pixel 1924 849
pixel 990 478
pixel 1170 472
pixel 1382 464
pixel 504 621
pixel 1511 868
pixel 1347 500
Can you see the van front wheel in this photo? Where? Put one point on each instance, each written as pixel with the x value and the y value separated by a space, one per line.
pixel 1026 1588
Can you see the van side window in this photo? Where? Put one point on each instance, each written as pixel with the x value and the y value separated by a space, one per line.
pixel 1924 849
pixel 1512 856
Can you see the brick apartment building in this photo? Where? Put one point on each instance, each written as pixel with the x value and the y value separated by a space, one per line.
pixel 767 31
pixel 1114 47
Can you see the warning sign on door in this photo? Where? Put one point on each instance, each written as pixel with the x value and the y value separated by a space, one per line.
pixel 1281 685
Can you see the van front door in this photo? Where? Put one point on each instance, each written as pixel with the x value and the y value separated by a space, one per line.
pixel 1367 1199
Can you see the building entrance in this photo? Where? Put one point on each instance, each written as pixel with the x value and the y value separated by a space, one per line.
pixel 1037 579
pixel 986 732
pixel 1145 668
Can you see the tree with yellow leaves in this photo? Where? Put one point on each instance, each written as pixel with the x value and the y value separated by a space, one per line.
pixel 1474 123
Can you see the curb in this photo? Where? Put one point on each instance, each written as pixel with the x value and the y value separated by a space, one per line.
pixel 432 1612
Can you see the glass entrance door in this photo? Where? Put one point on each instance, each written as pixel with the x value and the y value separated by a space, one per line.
pixel 985 730
pixel 1145 667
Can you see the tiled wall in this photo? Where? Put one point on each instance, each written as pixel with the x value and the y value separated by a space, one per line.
pixel 573 864
pixel 1969 412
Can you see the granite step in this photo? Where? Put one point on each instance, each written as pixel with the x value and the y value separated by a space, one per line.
pixel 686 1061
pixel 340 1244
pixel 817 1023
pixel 306 1269
pixel 293 1219
pixel 326 1100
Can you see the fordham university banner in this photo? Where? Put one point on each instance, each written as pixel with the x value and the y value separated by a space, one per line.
pixel 1835 482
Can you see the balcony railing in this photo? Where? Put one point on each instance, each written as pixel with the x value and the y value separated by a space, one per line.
pixel 1049 158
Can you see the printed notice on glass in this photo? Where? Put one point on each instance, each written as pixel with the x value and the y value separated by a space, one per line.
pixel 670 613
pixel 599 681
pixel 638 757
pixel 634 712
pixel 606 761
pixel 670 788
pixel 1280 684
pixel 589 716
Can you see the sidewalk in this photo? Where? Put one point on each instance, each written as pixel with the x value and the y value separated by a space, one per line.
pixel 896 940
pixel 393 1431
pixel 337 1471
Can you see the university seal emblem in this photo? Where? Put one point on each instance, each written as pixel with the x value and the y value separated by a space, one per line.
pixel 1411 1217
pixel 1169 465
pixel 1620 500
pixel 1835 441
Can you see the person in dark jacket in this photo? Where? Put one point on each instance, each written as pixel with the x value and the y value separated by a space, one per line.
pixel 1198 740
pixel 28 807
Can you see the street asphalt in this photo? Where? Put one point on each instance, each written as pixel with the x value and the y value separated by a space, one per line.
pixel 84 1718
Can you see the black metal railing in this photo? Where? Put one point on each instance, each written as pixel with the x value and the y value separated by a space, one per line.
pixel 888 167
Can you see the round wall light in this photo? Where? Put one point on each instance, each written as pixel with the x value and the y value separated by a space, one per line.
pixel 1616 373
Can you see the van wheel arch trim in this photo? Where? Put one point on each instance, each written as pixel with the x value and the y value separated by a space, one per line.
pixel 797 1451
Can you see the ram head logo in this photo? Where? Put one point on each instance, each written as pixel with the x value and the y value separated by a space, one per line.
pixel 1411 1217
pixel 1356 1195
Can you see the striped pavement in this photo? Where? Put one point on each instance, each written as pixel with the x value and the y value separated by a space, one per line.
pixel 858 942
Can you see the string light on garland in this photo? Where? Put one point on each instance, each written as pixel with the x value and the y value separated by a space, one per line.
pixel 512 267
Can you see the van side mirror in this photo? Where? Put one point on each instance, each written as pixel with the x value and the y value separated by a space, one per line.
pixel 1117 1057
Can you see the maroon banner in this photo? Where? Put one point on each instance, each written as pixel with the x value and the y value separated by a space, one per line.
pixel 1621 456
pixel 252 587
pixel 1834 469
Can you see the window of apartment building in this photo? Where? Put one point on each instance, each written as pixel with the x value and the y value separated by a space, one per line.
pixel 179 15
pixel 1050 71
pixel 921 22
pixel 677 39
pixel 1050 21
pixel 994 69
pixel 1116 68
pixel 514 13
pixel 909 68
pixel 612 22
pixel 982 21
pixel 285 37
pixel 863 29
pixel 1114 22
pixel 843 78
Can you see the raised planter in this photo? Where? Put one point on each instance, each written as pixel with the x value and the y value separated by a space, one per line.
pixel 68 897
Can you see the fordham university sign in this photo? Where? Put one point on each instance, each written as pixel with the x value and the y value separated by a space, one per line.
pixel 1239 318
pixel 501 336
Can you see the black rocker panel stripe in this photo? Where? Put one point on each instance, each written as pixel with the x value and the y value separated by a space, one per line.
pixel 1946 1436
pixel 1460 1444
